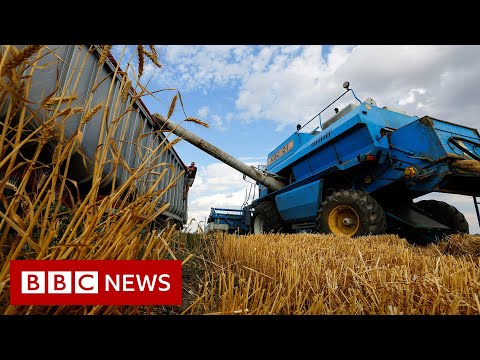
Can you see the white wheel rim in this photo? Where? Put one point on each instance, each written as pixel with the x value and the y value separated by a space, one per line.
pixel 258 225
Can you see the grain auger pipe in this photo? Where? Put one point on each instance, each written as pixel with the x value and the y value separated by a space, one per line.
pixel 270 182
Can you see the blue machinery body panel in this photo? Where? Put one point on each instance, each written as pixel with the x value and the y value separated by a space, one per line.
pixel 235 219
pixel 301 203
pixel 372 147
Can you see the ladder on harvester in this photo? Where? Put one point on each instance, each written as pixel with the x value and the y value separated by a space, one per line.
pixel 476 203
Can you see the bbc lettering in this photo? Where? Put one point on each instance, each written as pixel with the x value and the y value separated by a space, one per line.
pixel 95 282
pixel 59 282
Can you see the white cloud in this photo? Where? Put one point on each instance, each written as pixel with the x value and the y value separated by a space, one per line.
pixel 218 123
pixel 216 119
pixel 218 177
pixel 410 98
pixel 201 67
pixel 423 80
pixel 203 111
pixel 290 84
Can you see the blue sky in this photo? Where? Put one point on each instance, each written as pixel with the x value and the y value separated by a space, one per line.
pixel 253 96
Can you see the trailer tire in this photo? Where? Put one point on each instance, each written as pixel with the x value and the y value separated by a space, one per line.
pixel 351 213
pixel 267 219
pixel 445 214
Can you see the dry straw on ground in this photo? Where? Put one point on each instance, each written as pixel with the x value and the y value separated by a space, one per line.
pixel 323 274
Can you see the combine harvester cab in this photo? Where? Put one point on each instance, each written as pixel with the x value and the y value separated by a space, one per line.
pixel 360 173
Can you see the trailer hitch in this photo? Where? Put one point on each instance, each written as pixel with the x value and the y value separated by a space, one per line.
pixel 458 143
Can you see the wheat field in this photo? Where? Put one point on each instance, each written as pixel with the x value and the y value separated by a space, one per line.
pixel 323 274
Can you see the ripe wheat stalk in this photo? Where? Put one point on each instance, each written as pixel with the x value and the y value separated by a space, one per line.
pixel 44 215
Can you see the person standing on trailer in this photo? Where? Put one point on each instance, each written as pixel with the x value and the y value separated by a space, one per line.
pixel 191 173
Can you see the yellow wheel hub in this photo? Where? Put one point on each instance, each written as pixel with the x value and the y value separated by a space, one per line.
pixel 410 172
pixel 343 220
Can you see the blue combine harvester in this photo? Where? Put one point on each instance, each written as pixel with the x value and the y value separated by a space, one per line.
pixel 228 220
pixel 358 175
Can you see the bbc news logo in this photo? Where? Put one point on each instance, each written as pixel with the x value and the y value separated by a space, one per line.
pixel 95 282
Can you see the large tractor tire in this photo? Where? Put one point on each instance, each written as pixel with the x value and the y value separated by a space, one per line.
pixel 445 214
pixel 351 213
pixel 267 219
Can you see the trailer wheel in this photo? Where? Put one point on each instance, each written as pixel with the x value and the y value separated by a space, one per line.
pixel 445 214
pixel 267 219
pixel 351 213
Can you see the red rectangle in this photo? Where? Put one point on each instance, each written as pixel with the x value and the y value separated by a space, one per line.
pixel 95 282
